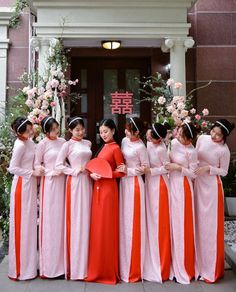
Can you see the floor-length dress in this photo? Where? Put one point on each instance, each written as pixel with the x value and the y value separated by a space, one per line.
pixel 209 208
pixel 23 213
pixel 103 266
pixel 157 262
pixel 51 210
pixel 182 211
pixel 78 204
pixel 132 212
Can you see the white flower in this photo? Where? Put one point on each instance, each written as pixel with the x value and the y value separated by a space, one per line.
pixel 170 82
pixel 193 111
pixel 54 83
pixel 25 89
pixel 170 108
pixel 205 112
pixel 161 100
pixel 187 120
pixel 180 105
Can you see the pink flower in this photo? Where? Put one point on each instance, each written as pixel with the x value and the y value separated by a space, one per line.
pixel 54 83
pixel 204 123
pixel 178 85
pixel 29 102
pixel 170 82
pixel 170 108
pixel 180 105
pixel 63 93
pixel 53 103
pixel 70 82
pixel 175 114
pixel 198 117
pixel 62 87
pixel 41 117
pixel 205 112
pixel 193 111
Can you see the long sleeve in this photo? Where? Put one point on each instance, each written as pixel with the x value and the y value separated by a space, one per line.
pixel 164 159
pixel 143 158
pixel 39 154
pixel 15 163
pixel 222 170
pixel 61 161
pixel 193 163
pixel 119 159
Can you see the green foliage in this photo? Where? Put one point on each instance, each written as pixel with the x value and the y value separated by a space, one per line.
pixel 20 5
pixel 229 181
pixel 16 107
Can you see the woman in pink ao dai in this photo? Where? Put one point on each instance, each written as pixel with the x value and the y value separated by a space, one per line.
pixel 158 242
pixel 78 199
pixel 52 202
pixel 23 204
pixel 214 158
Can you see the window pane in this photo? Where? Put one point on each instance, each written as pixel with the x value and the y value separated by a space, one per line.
pixel 132 85
pixel 83 79
pixel 110 86
pixel 84 103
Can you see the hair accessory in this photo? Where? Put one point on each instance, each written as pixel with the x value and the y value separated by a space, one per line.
pixel 190 131
pixel 77 118
pixel 223 126
pixel 132 120
pixel 154 129
pixel 17 130
pixel 44 126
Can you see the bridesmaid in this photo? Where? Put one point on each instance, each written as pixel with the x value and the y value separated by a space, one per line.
pixel 132 203
pixel 183 157
pixel 158 243
pixel 23 204
pixel 214 158
pixel 77 152
pixel 104 228
pixel 52 202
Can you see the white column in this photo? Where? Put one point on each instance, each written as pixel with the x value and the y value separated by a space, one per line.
pixel 44 44
pixel 5 15
pixel 177 48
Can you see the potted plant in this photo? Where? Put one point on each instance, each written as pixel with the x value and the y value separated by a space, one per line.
pixel 229 184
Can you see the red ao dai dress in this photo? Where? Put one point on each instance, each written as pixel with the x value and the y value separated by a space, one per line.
pixel 51 211
pixel 78 203
pixel 209 206
pixel 103 266
pixel 157 262
pixel 23 213
pixel 132 212
pixel 182 211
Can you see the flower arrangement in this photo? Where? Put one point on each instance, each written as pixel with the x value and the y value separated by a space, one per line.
pixel 172 108
pixel 45 95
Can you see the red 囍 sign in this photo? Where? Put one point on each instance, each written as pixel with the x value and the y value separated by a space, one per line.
pixel 121 103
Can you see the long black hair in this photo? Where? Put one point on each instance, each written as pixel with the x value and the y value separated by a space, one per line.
pixel 111 125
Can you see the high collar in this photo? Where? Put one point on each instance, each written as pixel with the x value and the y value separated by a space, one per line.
pixel 22 138
pixel 50 138
pixel 134 139
pixel 112 141
pixel 76 139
